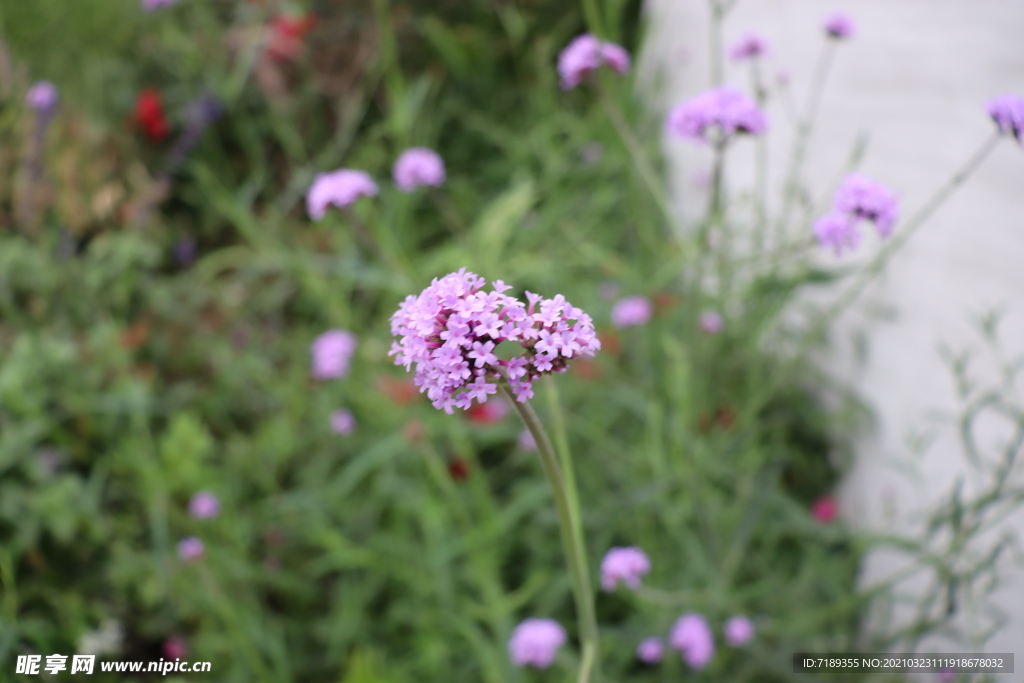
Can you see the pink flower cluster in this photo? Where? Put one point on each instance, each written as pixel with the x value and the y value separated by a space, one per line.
pixel 625 565
pixel 586 54
pixel 721 112
pixel 418 167
pixel 451 330
pixel 42 96
pixel 332 352
pixel 633 310
pixel 1008 113
pixel 858 198
pixel 838 26
pixel 692 636
pixel 750 46
pixel 535 642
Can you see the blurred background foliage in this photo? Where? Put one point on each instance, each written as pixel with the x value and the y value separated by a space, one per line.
pixel 155 324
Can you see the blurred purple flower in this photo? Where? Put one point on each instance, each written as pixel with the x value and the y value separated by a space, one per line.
pixel 42 97
pixel 416 167
pixel 725 110
pixel 633 310
pixel 1008 113
pixel 692 636
pixel 711 322
pixel 586 54
pixel 650 650
pixel 526 441
pixel 175 647
pixel 945 676
pixel 738 631
pixel 150 5
pixel 332 352
pixel 838 26
pixel 339 188
pixel 185 251
pixel 837 231
pixel 204 505
pixel 535 642
pixel 750 46
pixel 190 548
pixel 627 565
pixel 343 422
pixel 863 198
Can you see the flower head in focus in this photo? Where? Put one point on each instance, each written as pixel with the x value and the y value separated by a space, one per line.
pixel 149 115
pixel 586 54
pixel 750 46
pixel 417 167
pixel 1007 111
pixel 626 565
pixel 204 505
pixel 42 97
pixel 190 548
pixel 650 650
pixel 535 642
pixel 343 422
pixel 338 188
pixel 633 310
pixel 738 631
pixel 716 115
pixel 692 636
pixel 451 330
pixel 332 352
pixel 838 26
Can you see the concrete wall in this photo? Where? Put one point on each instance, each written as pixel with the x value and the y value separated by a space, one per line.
pixel 916 77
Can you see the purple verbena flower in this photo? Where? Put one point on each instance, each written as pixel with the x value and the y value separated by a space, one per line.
pixel 838 26
pixel 711 322
pixel 750 46
pixel 204 505
pixel 451 329
pixel 42 97
pixel 838 231
pixel 151 5
pixel 535 642
pixel 738 631
pixel 416 167
pixel 633 310
pixel 343 422
pixel 692 636
pixel 623 564
pixel 586 54
pixel 190 548
pixel 861 197
pixel 722 112
pixel 339 188
pixel 332 351
pixel 1008 113
pixel 650 650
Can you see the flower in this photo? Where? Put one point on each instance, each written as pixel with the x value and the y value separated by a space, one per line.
pixel 725 109
pixel 343 422
pixel 750 46
pixel 150 5
pixel 42 97
pixel 586 54
pixel 633 310
pixel 1008 113
pixel 190 548
pixel 650 650
pixel 738 630
pixel 861 197
pixel 451 330
pixel 185 251
pixel 204 505
pixel 416 167
pixel 535 642
pixel 458 469
pixel 286 34
pixel 837 231
pixel 623 564
pixel 838 26
pixel 824 509
pixel 149 115
pixel 526 441
pixel 946 675
pixel 711 322
pixel 692 636
pixel 332 351
pixel 175 647
pixel 487 413
pixel 340 188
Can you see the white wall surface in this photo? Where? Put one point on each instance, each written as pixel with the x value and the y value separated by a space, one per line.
pixel 916 76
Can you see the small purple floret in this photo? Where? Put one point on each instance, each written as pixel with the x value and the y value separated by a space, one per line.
pixel 633 310
pixel 418 167
pixel 343 422
pixel 332 352
pixel 863 198
pixel 586 54
pixel 650 650
pixel 625 565
pixel 1008 113
pixel 738 631
pixel 838 26
pixel 535 642
pixel 692 636
pixel 715 115
pixel 711 322
pixel 750 46
pixel 204 505
pixel 339 188
pixel 42 97
pixel 190 548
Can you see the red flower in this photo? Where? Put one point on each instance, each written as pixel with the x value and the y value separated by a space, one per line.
pixel 458 469
pixel 487 413
pixel 149 115
pixel 401 391
pixel 825 509
pixel 286 34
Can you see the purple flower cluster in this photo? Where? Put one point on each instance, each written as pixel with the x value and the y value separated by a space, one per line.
pixel 451 330
pixel 42 97
pixel 416 167
pixel 340 188
pixel 692 636
pixel 204 505
pixel 343 422
pixel 190 548
pixel 750 46
pixel 586 54
pixel 838 26
pixel 535 642
pixel 738 631
pixel 633 310
pixel 624 565
pixel 332 352
pixel 1008 113
pixel 858 198
pixel 725 110
pixel 650 650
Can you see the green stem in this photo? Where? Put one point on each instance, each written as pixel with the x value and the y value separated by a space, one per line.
pixel 572 538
